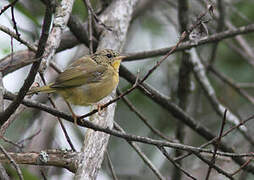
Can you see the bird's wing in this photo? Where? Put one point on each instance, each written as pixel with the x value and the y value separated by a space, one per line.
pixel 82 71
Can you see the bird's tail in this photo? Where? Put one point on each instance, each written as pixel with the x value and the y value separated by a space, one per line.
pixel 43 89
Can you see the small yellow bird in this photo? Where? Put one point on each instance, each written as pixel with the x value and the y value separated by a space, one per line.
pixel 87 80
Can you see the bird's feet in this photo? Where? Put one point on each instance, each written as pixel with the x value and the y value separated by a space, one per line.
pixel 100 110
pixel 75 117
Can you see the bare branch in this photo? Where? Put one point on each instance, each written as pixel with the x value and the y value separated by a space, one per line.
pixel 217 144
pixel 85 123
pixel 53 157
pixel 141 154
pixel 12 161
pixel 31 76
pixel 177 165
pixel 110 164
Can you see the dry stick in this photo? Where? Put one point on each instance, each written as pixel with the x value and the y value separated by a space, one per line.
pixel 59 120
pixel 90 28
pixel 111 167
pixel 1 93
pixel 43 174
pixel 63 127
pixel 11 142
pixel 23 41
pixel 90 32
pixel 242 166
pixel 52 157
pixel 235 48
pixel 238 12
pixel 182 38
pixel 11 120
pixel 220 26
pixel 244 85
pixel 29 138
pixel 239 39
pixel 19 144
pixel 231 83
pixel 97 19
pixel 216 138
pixel 218 169
pixel 143 118
pixel 14 22
pixel 144 54
pixel 16 166
pixel 141 154
pixel 190 44
pixel 7 6
pixel 245 47
pixel 184 83
pixel 78 29
pixel 200 74
pixel 130 137
pixel 167 104
pixel 33 71
pixel 178 166
pixel 217 144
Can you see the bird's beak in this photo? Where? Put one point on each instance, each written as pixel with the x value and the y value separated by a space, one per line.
pixel 120 57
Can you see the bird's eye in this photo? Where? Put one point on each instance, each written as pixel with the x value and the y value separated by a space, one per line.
pixel 109 55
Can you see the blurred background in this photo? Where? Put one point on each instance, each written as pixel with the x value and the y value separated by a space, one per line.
pixel 155 25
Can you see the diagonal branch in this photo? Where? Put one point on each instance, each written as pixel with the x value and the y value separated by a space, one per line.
pixel 33 71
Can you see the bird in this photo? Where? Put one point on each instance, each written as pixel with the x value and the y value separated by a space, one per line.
pixel 87 80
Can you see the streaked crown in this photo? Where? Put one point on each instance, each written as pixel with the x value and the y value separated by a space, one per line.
pixel 105 56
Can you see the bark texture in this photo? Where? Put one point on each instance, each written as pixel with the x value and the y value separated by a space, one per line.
pixel 117 16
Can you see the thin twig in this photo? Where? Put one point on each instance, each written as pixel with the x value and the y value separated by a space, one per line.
pixel 11 120
pixel 147 140
pixel 217 144
pixel 16 166
pixel 184 82
pixel 242 166
pixel 232 84
pixel 1 93
pixel 143 118
pixel 14 22
pixel 67 137
pixel 220 26
pixel 97 19
pixel 218 169
pixel 111 167
pixel 33 71
pixel 11 142
pixel 190 44
pixel 216 138
pixel 90 22
pixel 141 154
pixel 163 150
pixel 29 137
pixel 201 76
pixel 8 6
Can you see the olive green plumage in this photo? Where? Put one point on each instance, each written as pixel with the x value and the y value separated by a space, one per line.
pixel 88 79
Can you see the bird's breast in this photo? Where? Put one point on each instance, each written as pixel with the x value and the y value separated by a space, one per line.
pixel 89 94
